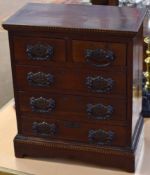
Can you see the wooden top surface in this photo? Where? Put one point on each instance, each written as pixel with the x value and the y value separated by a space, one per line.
pixel 76 17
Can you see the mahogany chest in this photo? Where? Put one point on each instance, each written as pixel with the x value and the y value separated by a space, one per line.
pixel 77 73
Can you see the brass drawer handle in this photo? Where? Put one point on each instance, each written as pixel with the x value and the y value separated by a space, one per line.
pixel 99 111
pixel 40 52
pixel 40 79
pixel 100 137
pixel 99 57
pixel 42 105
pixel 99 84
pixel 44 129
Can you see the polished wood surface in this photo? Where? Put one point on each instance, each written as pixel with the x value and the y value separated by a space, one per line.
pixel 66 69
pixel 78 18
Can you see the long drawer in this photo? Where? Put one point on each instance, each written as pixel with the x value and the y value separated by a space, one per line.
pixel 80 108
pixel 73 81
pixel 74 131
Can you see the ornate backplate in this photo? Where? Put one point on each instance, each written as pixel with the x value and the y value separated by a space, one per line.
pixel 99 57
pixel 42 105
pixel 99 111
pixel 40 79
pixel 100 137
pixel 44 129
pixel 99 84
pixel 39 51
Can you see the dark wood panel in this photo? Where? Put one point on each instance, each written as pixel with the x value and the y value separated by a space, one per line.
pixel 77 18
pixel 118 50
pixel 78 133
pixel 75 80
pixel 88 109
pixel 36 51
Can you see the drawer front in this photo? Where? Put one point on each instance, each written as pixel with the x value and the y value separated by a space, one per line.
pixel 39 51
pixel 60 106
pixel 99 54
pixel 73 81
pixel 74 131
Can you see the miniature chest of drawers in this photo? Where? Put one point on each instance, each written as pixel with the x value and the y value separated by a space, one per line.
pixel 77 82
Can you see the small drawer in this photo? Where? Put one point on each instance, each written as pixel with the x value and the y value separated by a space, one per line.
pixel 99 54
pixel 39 51
pixel 87 109
pixel 102 83
pixel 99 135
